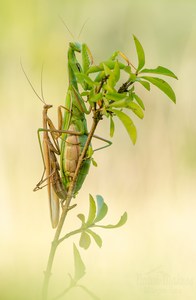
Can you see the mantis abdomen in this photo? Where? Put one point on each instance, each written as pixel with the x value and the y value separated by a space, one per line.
pixel 74 146
pixel 72 152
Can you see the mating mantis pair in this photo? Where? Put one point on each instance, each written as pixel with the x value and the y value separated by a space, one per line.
pixel 72 130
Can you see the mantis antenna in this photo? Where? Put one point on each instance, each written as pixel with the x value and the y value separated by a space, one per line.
pixel 70 30
pixel 83 27
pixel 31 85
pixel 66 27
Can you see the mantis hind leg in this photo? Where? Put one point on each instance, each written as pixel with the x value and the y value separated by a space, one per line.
pixel 109 143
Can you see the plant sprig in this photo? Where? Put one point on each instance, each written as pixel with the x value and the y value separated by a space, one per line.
pixel 111 100
pixel 102 88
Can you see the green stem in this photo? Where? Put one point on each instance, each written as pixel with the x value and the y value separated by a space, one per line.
pixel 65 208
pixel 88 292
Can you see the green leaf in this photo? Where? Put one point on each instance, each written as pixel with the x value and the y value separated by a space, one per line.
pixel 96 237
pixel 81 78
pixel 145 84
pixel 102 209
pixel 160 70
pixel 94 162
pixel 127 69
pixel 140 54
pixel 100 76
pixel 117 71
pixel 115 96
pixel 120 223
pixel 108 87
pixel 128 123
pixel 85 240
pixel 136 109
pixel 78 264
pixel 111 64
pixel 92 211
pixel 96 97
pixel 82 218
pixel 121 103
pixel 112 127
pixel 139 100
pixel 163 86
pixel 132 77
pixel 112 79
pixel 107 70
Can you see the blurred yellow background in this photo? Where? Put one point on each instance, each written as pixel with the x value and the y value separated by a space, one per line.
pixel 153 255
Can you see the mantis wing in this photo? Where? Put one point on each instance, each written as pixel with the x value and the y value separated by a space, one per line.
pixel 52 197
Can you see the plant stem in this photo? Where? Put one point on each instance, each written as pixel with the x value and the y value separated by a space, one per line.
pixel 65 207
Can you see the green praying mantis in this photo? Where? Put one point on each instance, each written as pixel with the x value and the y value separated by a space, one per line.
pixel 74 120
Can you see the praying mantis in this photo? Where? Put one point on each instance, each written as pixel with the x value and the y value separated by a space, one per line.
pixel 74 119
pixel 49 150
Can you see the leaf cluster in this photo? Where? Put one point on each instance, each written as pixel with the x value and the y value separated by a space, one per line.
pixel 97 212
pixel 101 85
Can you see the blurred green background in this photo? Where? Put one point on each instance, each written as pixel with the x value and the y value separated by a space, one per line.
pixel 153 255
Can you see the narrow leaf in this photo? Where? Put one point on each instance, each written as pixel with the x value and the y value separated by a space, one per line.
pixel 139 100
pixel 112 127
pixel 102 209
pixel 160 70
pixel 78 264
pixel 117 71
pixel 107 70
pixel 121 222
pixel 163 86
pixel 145 84
pixel 92 210
pixel 112 79
pixel 136 109
pixel 84 78
pixel 140 54
pixel 115 96
pixel 100 76
pixel 121 103
pixel 85 240
pixel 96 97
pixel 128 123
pixel 96 237
pixel 108 87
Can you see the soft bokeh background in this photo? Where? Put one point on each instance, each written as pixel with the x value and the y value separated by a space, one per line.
pixel 153 255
